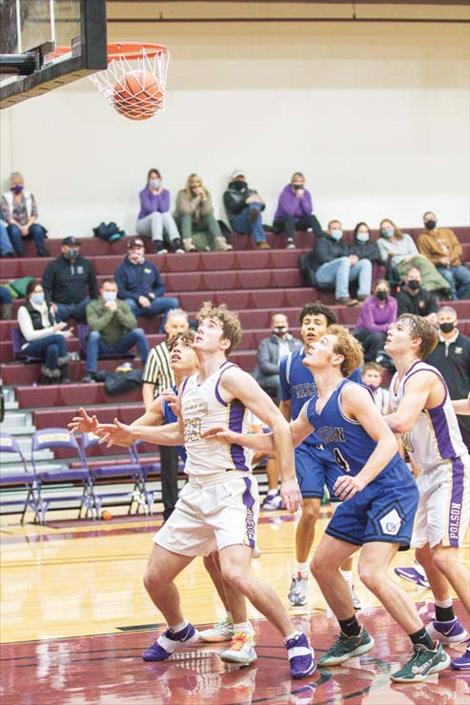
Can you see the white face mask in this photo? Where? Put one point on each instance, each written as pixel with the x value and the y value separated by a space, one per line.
pixel 155 183
pixel 362 237
pixel 109 296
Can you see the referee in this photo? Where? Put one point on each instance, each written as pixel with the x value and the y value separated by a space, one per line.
pixel 157 378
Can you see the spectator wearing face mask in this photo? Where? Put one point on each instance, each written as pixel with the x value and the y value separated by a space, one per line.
pixel 452 358
pixel 270 352
pixel 441 247
pixel 377 314
pixel 412 298
pixel 154 219
pixel 113 329
pixel 295 210
pixel 398 250
pixel 363 246
pixel 334 265
pixel 372 377
pixel 140 284
pixel 244 207
pixel 69 282
pixel 194 214
pixel 20 212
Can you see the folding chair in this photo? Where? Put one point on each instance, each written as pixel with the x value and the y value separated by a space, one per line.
pixel 18 353
pixel 82 334
pixel 10 478
pixel 53 439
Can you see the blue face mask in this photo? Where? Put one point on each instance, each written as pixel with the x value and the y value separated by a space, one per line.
pixel 37 298
pixel 109 296
pixel 362 237
pixel 336 234
pixel 387 232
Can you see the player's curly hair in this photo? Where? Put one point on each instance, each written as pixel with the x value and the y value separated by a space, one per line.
pixel 186 337
pixel 347 346
pixel 421 328
pixel 232 330
pixel 318 310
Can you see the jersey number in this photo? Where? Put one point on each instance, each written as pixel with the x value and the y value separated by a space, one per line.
pixel 192 429
pixel 341 460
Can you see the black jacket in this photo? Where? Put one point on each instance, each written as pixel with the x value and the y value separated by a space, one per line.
pixel 235 198
pixel 327 249
pixel 422 304
pixel 366 250
pixel 68 282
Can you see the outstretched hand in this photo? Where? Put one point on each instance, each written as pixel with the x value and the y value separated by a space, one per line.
pixel 83 423
pixel 220 433
pixel 115 433
pixel 290 493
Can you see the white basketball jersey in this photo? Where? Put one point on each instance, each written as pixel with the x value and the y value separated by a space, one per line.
pixel 202 408
pixel 435 438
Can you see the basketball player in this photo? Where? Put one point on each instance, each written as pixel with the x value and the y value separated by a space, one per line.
pixel 379 502
pixel 298 386
pixel 219 504
pixel 424 416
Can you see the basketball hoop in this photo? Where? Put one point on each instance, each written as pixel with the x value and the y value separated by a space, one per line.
pixel 134 82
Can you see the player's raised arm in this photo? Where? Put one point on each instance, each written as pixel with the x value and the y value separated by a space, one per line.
pixel 418 388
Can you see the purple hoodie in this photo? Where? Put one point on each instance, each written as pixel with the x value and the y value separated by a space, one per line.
pixel 151 202
pixel 289 204
pixel 375 318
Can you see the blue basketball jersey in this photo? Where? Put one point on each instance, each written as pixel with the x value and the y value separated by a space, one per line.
pixel 170 417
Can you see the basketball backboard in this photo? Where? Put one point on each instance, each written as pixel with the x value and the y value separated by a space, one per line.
pixel 71 32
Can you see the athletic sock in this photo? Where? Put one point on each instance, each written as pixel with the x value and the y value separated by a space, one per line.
pixel 244 627
pixel 350 627
pixel 229 617
pixel 178 627
pixel 302 568
pixel 444 610
pixel 423 638
pixel 347 575
pixel 292 636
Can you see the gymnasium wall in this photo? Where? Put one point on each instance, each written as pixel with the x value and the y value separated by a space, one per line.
pixel 375 115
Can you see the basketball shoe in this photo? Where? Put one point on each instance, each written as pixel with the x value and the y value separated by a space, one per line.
pixel 298 591
pixel 222 631
pixel 169 641
pixel 452 632
pixel 414 574
pixel 346 647
pixel 272 501
pixel 301 656
pixel 241 650
pixel 423 663
pixel 462 663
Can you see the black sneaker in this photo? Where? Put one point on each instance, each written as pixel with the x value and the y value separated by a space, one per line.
pixel 89 377
pixel 160 248
pixel 177 246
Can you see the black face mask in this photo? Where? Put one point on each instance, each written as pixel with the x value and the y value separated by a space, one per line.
pixel 413 284
pixel 447 327
pixel 381 295
pixel 71 254
pixel 297 187
pixel 430 224
pixel 239 185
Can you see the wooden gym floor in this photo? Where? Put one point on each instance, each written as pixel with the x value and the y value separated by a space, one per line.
pixel 75 618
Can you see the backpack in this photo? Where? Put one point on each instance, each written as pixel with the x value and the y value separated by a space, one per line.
pixel 121 382
pixel 109 232
pixel 306 267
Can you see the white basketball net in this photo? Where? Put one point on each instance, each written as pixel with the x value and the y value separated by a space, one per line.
pixel 135 87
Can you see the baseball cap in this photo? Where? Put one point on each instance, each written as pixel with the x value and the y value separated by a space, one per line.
pixel 237 172
pixel 135 242
pixel 71 240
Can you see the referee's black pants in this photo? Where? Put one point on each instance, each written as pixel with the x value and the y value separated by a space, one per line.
pixel 169 478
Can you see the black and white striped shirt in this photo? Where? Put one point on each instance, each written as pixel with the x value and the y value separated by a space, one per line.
pixel 157 369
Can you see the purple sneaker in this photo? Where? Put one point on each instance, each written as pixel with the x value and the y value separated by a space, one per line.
pixel 301 656
pixel 462 663
pixel 169 641
pixel 413 576
pixel 452 632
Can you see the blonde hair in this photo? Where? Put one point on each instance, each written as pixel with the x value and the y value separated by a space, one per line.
pixel 231 328
pixel 422 329
pixel 347 346
pixel 396 231
pixel 193 177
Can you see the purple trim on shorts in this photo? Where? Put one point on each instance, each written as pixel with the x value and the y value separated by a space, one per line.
pixel 456 497
pixel 441 430
pixel 235 423
pixel 248 501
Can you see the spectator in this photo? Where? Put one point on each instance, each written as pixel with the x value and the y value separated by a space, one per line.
pixel 399 252
pixel 194 215
pixel 244 207
pixel 452 359
pixel 113 329
pixel 412 298
pixel 271 350
pixel 158 377
pixel 20 211
pixel 441 247
pixel 372 378
pixel 69 282
pixel 140 284
pixel 154 217
pixel 363 246
pixel 43 336
pixel 295 210
pixel 334 265
pixel 6 306
pixel 377 314
pixel 6 248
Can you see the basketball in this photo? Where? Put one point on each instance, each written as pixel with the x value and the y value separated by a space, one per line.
pixel 138 95
pixel 105 515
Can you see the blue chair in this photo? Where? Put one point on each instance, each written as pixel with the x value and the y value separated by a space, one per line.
pixel 11 478
pixel 18 353
pixel 53 439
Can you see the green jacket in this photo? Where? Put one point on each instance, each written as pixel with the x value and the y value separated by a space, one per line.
pixel 111 324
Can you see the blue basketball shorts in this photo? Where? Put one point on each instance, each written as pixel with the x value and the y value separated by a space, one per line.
pixel 313 471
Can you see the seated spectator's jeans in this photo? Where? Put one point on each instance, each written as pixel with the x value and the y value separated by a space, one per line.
pixel 36 232
pixel 5 245
pixel 459 280
pixel 340 272
pixel 5 295
pixel 154 224
pixel 372 341
pixel 161 304
pixel 288 224
pixel 51 349
pixel 76 311
pixel 249 222
pixel 96 346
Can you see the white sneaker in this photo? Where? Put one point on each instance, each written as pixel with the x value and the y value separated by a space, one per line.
pixel 298 592
pixel 272 501
pixel 222 631
pixel 222 245
pixel 357 604
pixel 241 650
